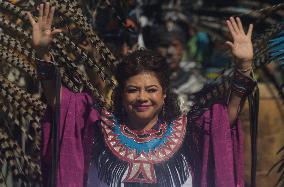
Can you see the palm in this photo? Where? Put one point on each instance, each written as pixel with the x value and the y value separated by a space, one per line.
pixel 241 46
pixel 41 37
pixel 42 34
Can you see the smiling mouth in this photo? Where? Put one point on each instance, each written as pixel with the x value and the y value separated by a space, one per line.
pixel 142 108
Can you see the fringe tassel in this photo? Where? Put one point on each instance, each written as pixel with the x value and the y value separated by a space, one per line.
pixel 110 168
pixel 254 108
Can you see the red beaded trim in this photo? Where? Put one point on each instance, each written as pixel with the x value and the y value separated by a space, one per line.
pixel 143 136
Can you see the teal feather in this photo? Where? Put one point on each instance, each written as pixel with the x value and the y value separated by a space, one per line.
pixel 279 39
pixel 278 52
pixel 276 47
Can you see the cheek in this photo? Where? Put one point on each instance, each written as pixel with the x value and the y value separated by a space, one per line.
pixel 127 99
pixel 158 98
pixel 179 50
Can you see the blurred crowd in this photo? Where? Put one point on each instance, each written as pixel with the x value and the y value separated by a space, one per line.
pixel 194 54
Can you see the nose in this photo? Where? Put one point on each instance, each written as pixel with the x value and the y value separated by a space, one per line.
pixel 142 96
pixel 171 50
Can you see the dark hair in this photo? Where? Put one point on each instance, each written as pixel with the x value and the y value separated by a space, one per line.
pixel 161 35
pixel 145 61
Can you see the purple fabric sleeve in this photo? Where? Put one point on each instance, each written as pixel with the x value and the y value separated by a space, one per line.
pixel 76 118
pixel 220 160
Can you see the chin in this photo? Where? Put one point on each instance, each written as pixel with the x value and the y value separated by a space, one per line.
pixel 173 65
pixel 144 115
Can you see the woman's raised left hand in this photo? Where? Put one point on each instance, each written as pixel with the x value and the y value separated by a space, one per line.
pixel 241 45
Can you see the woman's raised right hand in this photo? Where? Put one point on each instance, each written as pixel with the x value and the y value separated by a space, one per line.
pixel 42 32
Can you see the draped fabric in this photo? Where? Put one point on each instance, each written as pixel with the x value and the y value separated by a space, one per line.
pixel 218 155
pixel 217 148
pixel 77 115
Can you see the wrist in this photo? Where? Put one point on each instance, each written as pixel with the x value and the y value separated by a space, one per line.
pixel 242 85
pixel 46 71
pixel 42 52
pixel 244 66
pixel 45 56
pixel 245 70
pixel 46 59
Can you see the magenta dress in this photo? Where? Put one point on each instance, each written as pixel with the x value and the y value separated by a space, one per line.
pixel 216 149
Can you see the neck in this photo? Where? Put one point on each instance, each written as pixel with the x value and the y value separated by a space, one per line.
pixel 141 124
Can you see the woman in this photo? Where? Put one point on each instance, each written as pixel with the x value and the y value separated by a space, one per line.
pixel 145 140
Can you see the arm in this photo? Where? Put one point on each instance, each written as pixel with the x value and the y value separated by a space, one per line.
pixel 236 100
pixel 242 50
pixel 42 37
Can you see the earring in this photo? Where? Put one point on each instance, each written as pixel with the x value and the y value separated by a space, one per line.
pixel 164 111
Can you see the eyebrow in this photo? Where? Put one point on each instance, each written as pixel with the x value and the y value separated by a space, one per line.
pixel 129 86
pixel 152 86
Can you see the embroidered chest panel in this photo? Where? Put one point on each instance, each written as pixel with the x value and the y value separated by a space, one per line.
pixel 143 149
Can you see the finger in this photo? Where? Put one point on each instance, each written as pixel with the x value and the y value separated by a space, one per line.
pixel 249 34
pixel 45 13
pixel 230 44
pixel 50 16
pixel 235 26
pixel 55 31
pixel 31 18
pixel 240 25
pixel 231 29
pixel 40 13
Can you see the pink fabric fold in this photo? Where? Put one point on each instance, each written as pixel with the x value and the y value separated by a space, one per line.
pixel 221 162
pixel 76 117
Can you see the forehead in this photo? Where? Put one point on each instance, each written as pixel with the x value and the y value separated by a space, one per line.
pixel 143 79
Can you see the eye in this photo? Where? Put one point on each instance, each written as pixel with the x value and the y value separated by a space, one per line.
pixel 131 90
pixel 152 90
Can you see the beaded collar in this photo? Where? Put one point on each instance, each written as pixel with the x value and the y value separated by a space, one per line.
pixel 142 150
pixel 144 135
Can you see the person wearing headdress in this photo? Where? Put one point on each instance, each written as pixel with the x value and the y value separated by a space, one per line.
pixel 170 41
pixel 145 139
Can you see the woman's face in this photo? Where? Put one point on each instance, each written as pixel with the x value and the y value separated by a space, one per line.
pixel 143 96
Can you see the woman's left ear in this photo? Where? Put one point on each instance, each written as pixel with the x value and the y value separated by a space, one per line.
pixel 164 96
